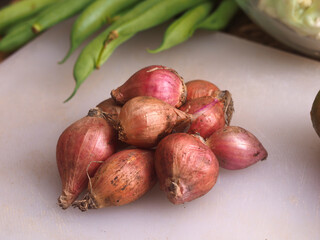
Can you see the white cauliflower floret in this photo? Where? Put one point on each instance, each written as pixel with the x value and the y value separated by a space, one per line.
pixel 305 3
pixel 303 16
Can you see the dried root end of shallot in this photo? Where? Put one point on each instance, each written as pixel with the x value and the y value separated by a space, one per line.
pixel 66 199
pixel 88 202
pixel 186 168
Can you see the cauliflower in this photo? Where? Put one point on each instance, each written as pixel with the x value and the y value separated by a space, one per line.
pixel 303 16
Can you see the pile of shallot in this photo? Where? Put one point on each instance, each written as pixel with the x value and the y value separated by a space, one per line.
pixel 153 128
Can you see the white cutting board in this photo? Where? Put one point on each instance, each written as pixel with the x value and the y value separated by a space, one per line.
pixel 277 199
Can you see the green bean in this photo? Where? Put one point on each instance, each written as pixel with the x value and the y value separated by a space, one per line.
pixel 58 13
pixel 17 37
pixel 184 27
pixel 16 26
pixel 111 49
pixel 22 33
pixel 221 17
pixel 93 18
pixel 153 16
pixel 21 10
pixel 86 61
pixel 118 15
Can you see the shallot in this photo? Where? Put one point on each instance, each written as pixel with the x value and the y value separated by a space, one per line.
pixel 125 177
pixel 315 114
pixel 200 88
pixel 144 121
pixel 236 148
pixel 186 168
pixel 156 81
pixel 88 139
pixel 110 107
pixel 209 113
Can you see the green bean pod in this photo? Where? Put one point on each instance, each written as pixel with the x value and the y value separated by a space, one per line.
pixel 17 37
pixel 86 62
pixel 21 10
pixel 184 27
pixel 118 15
pixel 111 47
pixel 152 17
pixel 21 33
pixel 59 12
pixel 221 17
pixel 93 18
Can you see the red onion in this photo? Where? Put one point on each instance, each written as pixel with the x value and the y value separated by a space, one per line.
pixel 186 168
pixel 125 177
pixel 144 121
pixel 315 114
pixel 236 148
pixel 110 107
pixel 209 113
pixel 200 88
pixel 89 139
pixel 156 81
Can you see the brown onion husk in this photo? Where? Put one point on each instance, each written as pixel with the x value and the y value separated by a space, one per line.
pixel 236 148
pixel 156 81
pixel 88 140
pixel 125 177
pixel 110 107
pixel 228 107
pixel 186 168
pixel 209 113
pixel 144 121
pixel 200 88
pixel 315 114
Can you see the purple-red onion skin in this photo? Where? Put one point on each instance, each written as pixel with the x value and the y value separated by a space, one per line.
pixel 156 81
pixel 144 121
pixel 315 114
pixel 186 168
pixel 200 88
pixel 236 148
pixel 125 177
pixel 110 107
pixel 208 115
pixel 88 139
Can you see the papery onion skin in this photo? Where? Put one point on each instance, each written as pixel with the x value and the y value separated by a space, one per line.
pixel 125 177
pixel 315 114
pixel 112 110
pixel 88 139
pixel 236 148
pixel 110 107
pixel 208 115
pixel 156 81
pixel 186 168
pixel 144 121
pixel 200 88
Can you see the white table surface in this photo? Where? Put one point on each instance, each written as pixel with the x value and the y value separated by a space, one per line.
pixel 277 199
